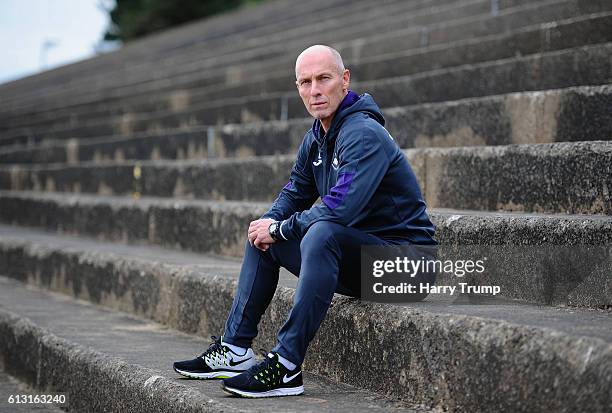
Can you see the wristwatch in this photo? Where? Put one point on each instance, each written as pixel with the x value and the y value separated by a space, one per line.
pixel 273 229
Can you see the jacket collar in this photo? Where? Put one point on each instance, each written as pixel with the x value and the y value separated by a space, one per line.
pixel 350 98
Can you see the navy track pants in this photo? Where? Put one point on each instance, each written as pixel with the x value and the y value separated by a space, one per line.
pixel 326 260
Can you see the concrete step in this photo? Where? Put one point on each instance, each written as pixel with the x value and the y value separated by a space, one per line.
pixel 22 394
pixel 531 14
pixel 564 177
pixel 348 23
pixel 387 18
pixel 300 31
pixel 182 97
pixel 587 65
pixel 561 177
pixel 532 39
pixel 243 22
pixel 205 36
pixel 574 32
pixel 527 117
pixel 551 358
pixel 219 228
pixel 106 360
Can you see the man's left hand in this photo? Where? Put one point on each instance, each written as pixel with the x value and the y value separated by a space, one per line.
pixel 259 234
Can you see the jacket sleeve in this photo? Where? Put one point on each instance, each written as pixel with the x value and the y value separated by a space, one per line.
pixel 299 193
pixel 363 163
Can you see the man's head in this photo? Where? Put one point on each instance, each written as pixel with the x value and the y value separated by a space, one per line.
pixel 322 81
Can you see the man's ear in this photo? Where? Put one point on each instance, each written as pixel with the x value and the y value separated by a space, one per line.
pixel 346 79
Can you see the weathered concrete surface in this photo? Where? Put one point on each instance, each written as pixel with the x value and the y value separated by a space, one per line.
pixel 539 259
pixel 109 361
pixel 252 178
pixel 230 61
pixel 521 118
pixel 507 17
pixel 182 54
pixel 94 382
pixel 542 38
pixel 524 40
pixel 570 177
pixel 234 140
pixel 11 386
pixel 527 117
pixel 166 48
pixel 561 177
pixel 193 225
pixel 587 65
pixel 563 34
pixel 446 356
pixel 220 228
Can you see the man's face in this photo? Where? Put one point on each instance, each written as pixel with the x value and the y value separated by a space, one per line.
pixel 320 85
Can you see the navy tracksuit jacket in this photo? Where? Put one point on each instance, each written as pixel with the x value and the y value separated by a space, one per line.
pixel 361 175
pixel 369 196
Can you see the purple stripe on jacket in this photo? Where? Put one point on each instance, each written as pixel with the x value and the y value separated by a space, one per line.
pixel 339 191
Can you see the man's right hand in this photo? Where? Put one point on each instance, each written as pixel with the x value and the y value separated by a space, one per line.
pixel 259 235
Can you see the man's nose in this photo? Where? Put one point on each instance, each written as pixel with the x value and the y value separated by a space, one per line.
pixel 314 88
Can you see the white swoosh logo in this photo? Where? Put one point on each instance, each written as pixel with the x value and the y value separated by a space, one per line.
pixel 288 379
pixel 317 163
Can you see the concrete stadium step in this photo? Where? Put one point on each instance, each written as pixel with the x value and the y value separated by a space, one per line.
pixel 182 95
pixel 526 15
pixel 192 37
pixel 561 177
pixel 528 117
pixel 21 392
pixel 543 37
pixel 220 228
pixel 106 360
pixel 240 43
pixel 555 11
pixel 313 19
pixel 568 177
pixel 587 65
pixel 552 358
pixel 399 15
pixel 153 46
pixel 339 26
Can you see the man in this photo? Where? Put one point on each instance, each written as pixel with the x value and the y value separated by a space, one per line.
pixel 369 197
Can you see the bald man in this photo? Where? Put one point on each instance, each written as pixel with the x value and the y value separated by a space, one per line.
pixel 369 195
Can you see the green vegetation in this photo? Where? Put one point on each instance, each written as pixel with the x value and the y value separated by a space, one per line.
pixel 132 19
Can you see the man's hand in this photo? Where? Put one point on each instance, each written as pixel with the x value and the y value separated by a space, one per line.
pixel 258 234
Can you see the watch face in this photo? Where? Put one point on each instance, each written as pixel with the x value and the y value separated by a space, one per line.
pixel 273 227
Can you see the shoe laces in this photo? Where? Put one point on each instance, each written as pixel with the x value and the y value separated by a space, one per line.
pixel 268 371
pixel 216 349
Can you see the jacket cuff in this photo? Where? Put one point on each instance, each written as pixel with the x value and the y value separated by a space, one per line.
pixel 280 230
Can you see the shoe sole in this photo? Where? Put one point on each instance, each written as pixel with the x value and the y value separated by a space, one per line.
pixel 212 375
pixel 285 391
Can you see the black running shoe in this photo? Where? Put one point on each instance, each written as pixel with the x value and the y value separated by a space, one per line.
pixel 266 379
pixel 218 362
